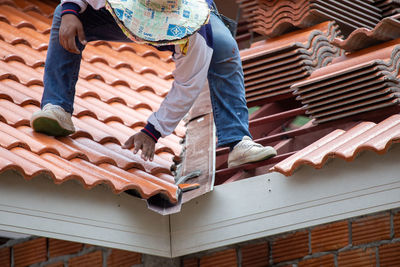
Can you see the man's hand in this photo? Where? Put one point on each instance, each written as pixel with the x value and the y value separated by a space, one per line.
pixel 71 27
pixel 141 141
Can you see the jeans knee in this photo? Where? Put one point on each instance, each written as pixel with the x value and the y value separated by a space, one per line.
pixel 224 45
pixel 225 50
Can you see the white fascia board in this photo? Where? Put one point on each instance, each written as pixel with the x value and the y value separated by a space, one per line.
pixel 70 212
pixel 272 203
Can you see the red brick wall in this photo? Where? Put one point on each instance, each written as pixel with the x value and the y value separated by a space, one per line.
pixel 358 242
pixel 58 253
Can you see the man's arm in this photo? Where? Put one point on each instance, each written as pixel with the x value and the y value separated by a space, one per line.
pixel 190 76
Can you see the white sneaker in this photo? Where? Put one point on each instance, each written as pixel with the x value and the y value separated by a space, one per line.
pixel 247 151
pixel 52 120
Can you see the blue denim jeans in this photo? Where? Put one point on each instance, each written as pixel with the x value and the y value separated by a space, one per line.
pixel 225 75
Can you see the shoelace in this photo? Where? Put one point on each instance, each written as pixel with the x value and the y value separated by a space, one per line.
pixel 249 144
pixel 58 112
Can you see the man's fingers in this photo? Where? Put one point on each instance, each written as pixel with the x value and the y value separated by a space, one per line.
pixel 72 46
pixel 141 141
pixel 151 157
pixel 81 36
pixel 138 145
pixel 70 28
pixel 62 40
pixel 129 143
pixel 146 151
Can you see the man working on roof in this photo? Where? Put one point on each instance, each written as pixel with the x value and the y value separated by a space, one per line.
pixel 203 48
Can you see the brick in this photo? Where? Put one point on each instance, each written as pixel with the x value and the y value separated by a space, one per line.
pixel 226 258
pixel 290 247
pixel 191 262
pixel 55 264
pixel 255 255
pixel 122 258
pixel 94 259
pixel 396 224
pixel 326 261
pixel 60 247
pixel 389 255
pixel 30 252
pixel 358 258
pixel 89 246
pixel 5 257
pixel 370 229
pixel 330 237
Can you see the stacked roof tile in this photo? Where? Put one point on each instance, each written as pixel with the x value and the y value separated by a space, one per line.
pixel 272 66
pixel 388 7
pixel 363 81
pixel 387 29
pixel 120 85
pixel 274 17
pixel 345 145
pixel 334 93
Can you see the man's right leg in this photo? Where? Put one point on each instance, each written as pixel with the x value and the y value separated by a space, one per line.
pixel 62 71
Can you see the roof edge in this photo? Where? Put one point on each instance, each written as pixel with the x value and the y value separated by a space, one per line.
pixel 278 204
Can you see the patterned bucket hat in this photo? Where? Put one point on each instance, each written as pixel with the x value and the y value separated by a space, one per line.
pixel 159 22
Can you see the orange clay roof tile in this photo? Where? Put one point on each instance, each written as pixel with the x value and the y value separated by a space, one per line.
pixel 27 35
pixel 11 160
pixel 7 70
pixel 45 8
pixel 129 59
pixel 113 101
pixel 20 19
pixel 345 145
pixel 19 116
pixel 141 50
pixel 12 91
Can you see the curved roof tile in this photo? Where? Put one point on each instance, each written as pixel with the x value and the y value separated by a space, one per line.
pixel 387 29
pixel 345 145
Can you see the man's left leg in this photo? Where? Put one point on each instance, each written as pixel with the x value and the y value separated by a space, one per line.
pixel 226 82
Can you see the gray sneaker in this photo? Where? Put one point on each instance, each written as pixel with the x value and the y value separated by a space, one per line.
pixel 52 120
pixel 247 151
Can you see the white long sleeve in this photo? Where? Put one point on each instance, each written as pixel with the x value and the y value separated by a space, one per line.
pixel 190 77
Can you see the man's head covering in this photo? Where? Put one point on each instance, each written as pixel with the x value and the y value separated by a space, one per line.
pixel 159 22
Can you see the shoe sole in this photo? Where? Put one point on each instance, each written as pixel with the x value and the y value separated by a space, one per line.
pixel 253 158
pixel 50 127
